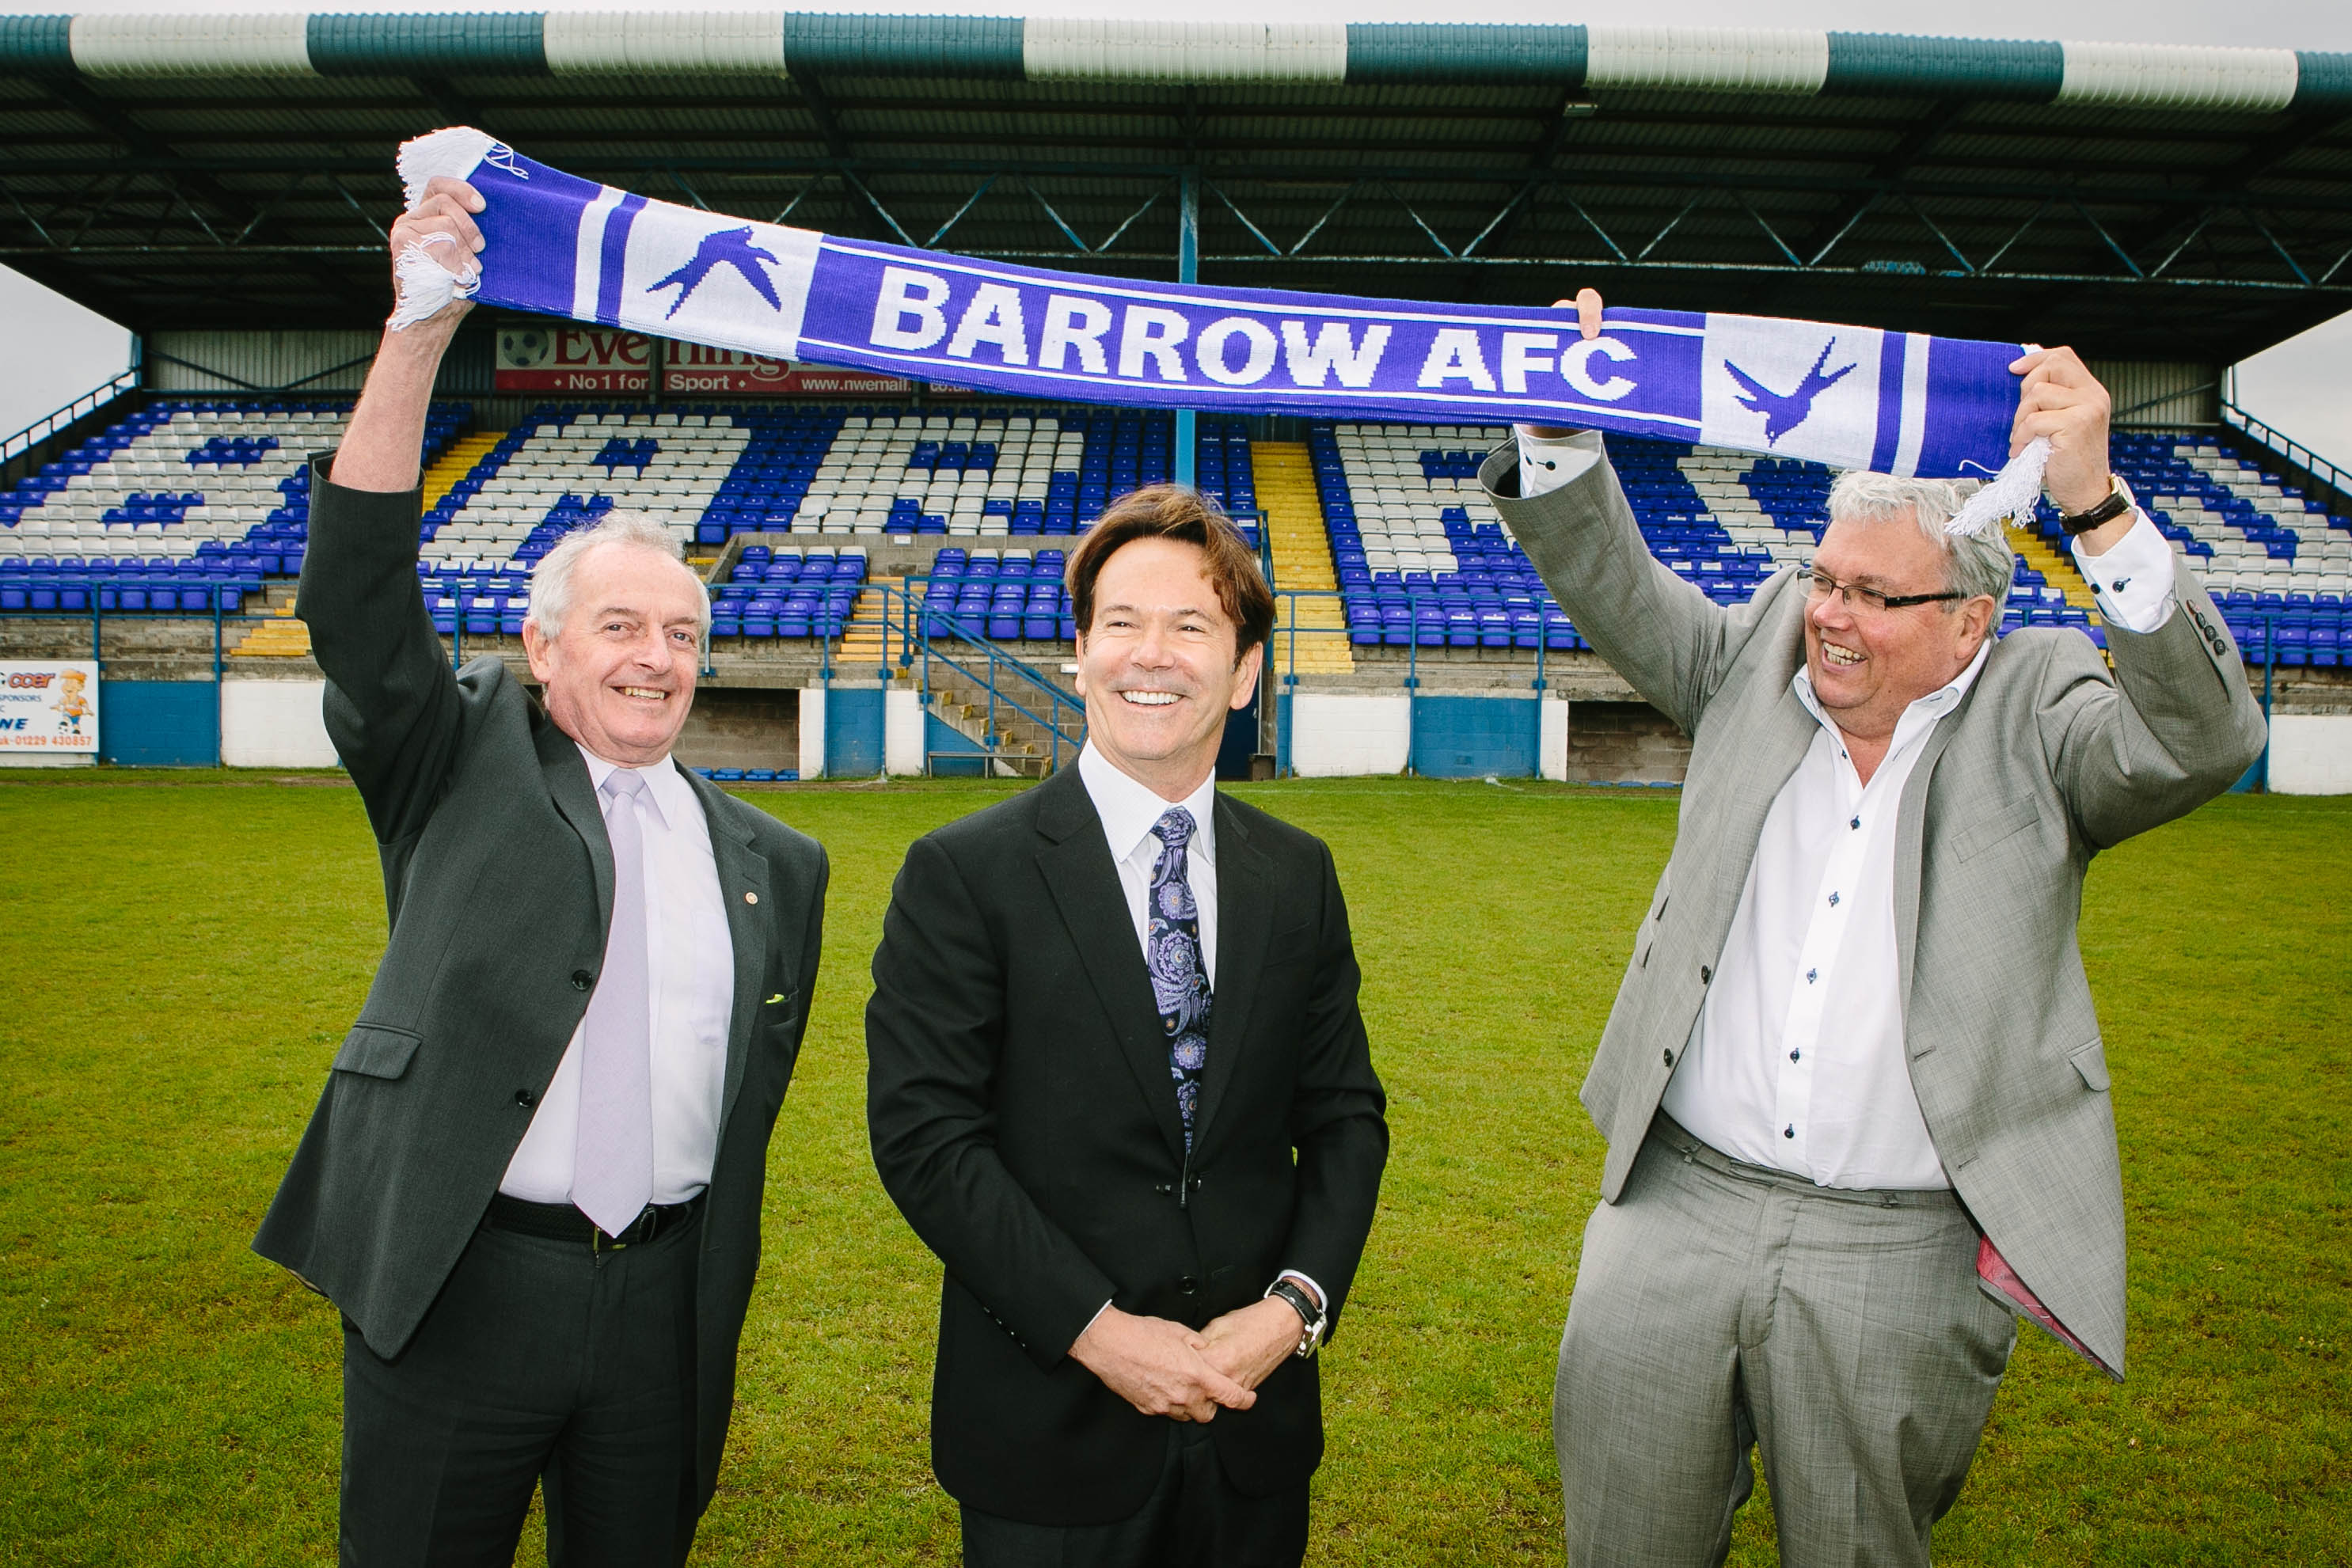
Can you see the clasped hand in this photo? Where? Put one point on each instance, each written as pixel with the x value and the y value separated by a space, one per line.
pixel 1163 1368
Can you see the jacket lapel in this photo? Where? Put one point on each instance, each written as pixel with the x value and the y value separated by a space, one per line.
pixel 1244 922
pixel 742 870
pixel 575 798
pixel 1075 863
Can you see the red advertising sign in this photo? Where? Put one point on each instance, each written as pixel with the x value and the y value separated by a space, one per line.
pixel 559 357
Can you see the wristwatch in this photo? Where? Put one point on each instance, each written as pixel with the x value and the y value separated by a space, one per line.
pixel 2115 504
pixel 1311 1316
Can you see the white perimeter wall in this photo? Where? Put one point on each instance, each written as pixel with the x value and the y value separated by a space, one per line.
pixel 1552 737
pixel 904 734
pixel 812 732
pixel 274 724
pixel 1334 737
pixel 2311 754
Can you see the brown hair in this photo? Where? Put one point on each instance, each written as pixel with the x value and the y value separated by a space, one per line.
pixel 1173 512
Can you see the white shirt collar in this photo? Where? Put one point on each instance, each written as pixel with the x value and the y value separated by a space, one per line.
pixel 1130 809
pixel 1916 719
pixel 667 790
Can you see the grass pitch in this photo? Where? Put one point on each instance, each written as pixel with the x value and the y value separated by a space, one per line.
pixel 187 952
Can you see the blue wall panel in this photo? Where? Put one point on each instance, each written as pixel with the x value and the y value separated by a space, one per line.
pixel 1471 737
pixel 1483 53
pixel 483 44
pixel 1900 65
pixel 159 723
pixel 36 46
pixel 939 737
pixel 853 732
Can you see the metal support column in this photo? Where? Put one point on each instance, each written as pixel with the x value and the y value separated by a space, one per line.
pixel 1187 270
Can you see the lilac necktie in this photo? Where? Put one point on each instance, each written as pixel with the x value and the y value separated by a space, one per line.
pixel 1180 974
pixel 613 1163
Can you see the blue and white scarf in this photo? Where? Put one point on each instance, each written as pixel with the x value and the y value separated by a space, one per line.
pixel 1853 397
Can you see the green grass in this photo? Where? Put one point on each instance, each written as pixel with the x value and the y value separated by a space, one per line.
pixel 185 951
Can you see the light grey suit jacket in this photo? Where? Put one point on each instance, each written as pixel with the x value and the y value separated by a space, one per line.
pixel 2049 759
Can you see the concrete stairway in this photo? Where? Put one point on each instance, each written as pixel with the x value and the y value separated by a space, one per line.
pixel 1302 560
pixel 1025 747
pixel 279 637
pixel 865 641
pixel 2056 569
pixel 456 461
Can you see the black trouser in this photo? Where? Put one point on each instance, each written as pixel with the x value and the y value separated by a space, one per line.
pixel 540 1359
pixel 1193 1519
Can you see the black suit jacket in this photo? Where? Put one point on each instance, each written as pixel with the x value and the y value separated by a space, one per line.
pixel 1023 1120
pixel 499 879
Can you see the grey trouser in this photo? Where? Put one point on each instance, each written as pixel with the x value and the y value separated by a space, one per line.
pixel 1719 1305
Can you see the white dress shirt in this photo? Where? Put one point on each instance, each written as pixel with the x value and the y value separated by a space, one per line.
pixel 1795 1060
pixel 690 963
pixel 1129 809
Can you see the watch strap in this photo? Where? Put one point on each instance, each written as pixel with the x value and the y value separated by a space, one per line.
pixel 1310 1316
pixel 2116 502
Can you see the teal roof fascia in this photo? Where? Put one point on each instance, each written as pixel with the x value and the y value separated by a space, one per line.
pixel 952 47
pixel 476 43
pixel 36 46
pixel 2323 81
pixel 1898 65
pixel 1479 52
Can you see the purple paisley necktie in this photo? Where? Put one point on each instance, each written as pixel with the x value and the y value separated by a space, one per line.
pixel 1180 972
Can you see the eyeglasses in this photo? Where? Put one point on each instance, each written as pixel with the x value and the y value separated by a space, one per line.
pixel 1870 599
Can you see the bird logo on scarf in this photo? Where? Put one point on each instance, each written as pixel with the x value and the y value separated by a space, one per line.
pixel 1782 413
pixel 728 247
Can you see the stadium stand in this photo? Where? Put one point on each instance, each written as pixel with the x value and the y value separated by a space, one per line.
pixel 192 504
pixel 185 506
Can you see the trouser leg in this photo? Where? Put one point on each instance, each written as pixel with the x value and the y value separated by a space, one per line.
pixel 443 1444
pixel 1645 1411
pixel 1195 1518
pixel 1872 1385
pixel 620 1484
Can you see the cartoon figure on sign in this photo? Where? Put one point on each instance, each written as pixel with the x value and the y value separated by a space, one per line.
pixel 733 247
pixel 73 702
pixel 1784 414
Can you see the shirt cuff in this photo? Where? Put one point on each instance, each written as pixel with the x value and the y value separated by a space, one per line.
pixel 1314 1289
pixel 1092 1320
pixel 1548 462
pixel 2133 581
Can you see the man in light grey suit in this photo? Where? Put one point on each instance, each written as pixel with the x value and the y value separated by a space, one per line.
pixel 1857 1106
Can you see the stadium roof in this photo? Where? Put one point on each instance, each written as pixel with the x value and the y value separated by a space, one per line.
pixel 2141 201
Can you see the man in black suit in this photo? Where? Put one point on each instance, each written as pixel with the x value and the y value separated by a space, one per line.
pixel 532 1185
pixel 1118 1082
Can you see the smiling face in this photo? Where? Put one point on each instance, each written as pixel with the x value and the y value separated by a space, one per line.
pixel 1867 665
pixel 619 671
pixel 1157 666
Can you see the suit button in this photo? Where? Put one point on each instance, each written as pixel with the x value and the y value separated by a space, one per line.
pixel 1706 975
pixel 525 1099
pixel 583 978
pixel 1669 1058
pixel 1189 1285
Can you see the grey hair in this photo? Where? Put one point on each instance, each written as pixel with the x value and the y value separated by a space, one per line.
pixel 550 580
pixel 1974 564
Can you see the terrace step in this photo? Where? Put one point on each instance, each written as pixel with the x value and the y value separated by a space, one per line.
pixel 1302 560
pixel 2056 569
pixel 280 636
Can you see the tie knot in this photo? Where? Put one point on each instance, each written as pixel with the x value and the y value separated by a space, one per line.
pixel 623 784
pixel 1174 828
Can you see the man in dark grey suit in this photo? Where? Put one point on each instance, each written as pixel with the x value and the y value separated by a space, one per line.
pixel 533 1185
pixel 1853 1086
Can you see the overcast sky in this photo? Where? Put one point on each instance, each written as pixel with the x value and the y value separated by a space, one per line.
pixel 2301 386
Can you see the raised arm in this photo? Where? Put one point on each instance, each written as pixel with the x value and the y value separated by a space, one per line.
pixel 391 702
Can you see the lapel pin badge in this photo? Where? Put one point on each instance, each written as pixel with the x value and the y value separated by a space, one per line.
pixel 751 898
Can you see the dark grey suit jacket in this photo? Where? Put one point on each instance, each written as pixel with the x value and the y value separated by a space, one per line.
pixel 2049 758
pixel 498 876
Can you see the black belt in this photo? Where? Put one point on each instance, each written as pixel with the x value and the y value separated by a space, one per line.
pixel 563 1222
